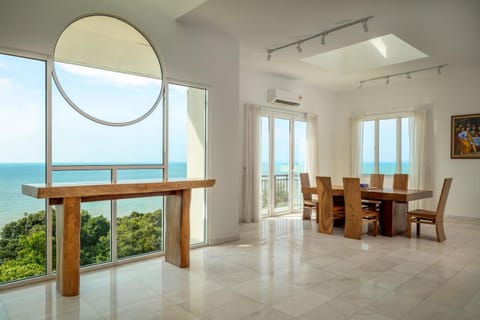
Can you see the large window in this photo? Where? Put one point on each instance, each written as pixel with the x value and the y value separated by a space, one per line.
pixel 282 145
pixel 22 159
pixel 385 145
pixel 75 149
pixel 186 147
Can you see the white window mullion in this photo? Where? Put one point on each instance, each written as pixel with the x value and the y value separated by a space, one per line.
pixel 291 166
pixel 399 145
pixel 271 169
pixel 377 151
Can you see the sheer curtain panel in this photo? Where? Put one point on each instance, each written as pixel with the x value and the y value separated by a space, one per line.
pixel 251 174
pixel 418 168
pixel 312 145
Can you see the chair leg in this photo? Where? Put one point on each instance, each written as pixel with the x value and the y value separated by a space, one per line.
pixel 418 229
pixel 440 231
pixel 409 226
pixel 307 213
pixel 375 227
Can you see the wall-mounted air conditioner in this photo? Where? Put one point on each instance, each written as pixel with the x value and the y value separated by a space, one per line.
pixel 283 97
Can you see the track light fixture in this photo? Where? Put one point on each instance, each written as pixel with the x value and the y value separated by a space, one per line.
pixel 322 34
pixel 299 47
pixel 269 55
pixel 406 74
pixel 365 26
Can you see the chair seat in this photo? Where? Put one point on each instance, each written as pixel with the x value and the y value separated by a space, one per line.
pixel 369 214
pixel 310 203
pixel 423 214
pixel 366 201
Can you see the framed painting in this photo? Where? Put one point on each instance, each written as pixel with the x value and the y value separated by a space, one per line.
pixel 465 140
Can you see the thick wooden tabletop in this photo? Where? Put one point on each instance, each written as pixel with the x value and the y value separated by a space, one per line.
pixel 381 194
pixel 102 191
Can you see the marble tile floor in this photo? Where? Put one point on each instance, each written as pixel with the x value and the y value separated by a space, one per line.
pixel 281 269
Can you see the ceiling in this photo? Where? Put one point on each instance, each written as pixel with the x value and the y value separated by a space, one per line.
pixel 446 31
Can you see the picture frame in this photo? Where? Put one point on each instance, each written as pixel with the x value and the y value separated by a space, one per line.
pixel 465 136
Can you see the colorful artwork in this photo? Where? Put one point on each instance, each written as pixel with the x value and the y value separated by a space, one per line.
pixel 465 142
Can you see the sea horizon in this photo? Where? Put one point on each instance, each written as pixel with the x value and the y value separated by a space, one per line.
pixel 15 205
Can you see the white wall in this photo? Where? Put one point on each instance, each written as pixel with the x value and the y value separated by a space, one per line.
pixel 189 54
pixel 253 89
pixel 457 91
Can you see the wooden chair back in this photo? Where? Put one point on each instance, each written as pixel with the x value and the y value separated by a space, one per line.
pixel 442 201
pixel 376 180
pixel 353 208
pixel 400 181
pixel 305 183
pixel 325 204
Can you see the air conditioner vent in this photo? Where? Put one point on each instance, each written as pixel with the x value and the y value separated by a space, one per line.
pixel 283 97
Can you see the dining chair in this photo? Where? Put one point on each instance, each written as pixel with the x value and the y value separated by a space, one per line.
pixel 420 216
pixel 355 215
pixel 376 181
pixel 327 211
pixel 308 202
pixel 400 181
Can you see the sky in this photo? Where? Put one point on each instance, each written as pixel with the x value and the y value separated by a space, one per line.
pixel 387 140
pixel 106 95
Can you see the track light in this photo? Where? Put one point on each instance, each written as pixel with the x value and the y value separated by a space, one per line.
pixel 322 34
pixel 365 25
pixel 299 47
pixel 406 74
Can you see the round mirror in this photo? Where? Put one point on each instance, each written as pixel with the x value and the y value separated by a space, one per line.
pixel 108 71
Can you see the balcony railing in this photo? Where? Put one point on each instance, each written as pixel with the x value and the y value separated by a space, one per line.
pixel 281 191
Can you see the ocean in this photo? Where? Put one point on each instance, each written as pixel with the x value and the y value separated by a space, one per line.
pixel 14 205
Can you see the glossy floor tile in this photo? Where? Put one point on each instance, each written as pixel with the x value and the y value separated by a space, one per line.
pixel 281 268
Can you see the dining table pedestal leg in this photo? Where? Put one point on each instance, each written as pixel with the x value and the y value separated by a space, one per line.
pixel 393 219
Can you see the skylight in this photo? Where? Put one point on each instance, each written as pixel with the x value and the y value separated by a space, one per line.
pixel 374 53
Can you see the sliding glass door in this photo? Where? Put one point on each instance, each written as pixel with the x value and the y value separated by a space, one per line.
pixel 282 158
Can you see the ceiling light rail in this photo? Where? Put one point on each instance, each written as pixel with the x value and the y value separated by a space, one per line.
pixel 407 74
pixel 323 34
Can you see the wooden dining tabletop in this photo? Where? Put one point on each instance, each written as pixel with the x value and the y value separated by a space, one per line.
pixel 394 205
pixel 381 194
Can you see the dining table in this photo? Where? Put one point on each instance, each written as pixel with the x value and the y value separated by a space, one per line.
pixel 394 206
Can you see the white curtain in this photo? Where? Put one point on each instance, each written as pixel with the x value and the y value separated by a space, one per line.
pixel 417 168
pixel 357 146
pixel 251 173
pixel 312 146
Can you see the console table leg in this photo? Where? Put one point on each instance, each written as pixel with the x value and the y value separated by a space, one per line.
pixel 68 246
pixel 177 240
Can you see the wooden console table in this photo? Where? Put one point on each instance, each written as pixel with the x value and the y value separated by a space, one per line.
pixel 67 199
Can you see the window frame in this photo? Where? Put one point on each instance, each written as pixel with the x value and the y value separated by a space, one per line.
pixel 50 168
pixel 398 122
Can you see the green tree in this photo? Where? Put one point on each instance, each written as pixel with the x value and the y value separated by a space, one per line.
pixel 23 242
pixel 139 233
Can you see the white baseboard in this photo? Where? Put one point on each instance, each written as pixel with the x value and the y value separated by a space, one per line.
pixel 214 242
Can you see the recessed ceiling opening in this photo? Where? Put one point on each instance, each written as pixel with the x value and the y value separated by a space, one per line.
pixel 374 53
